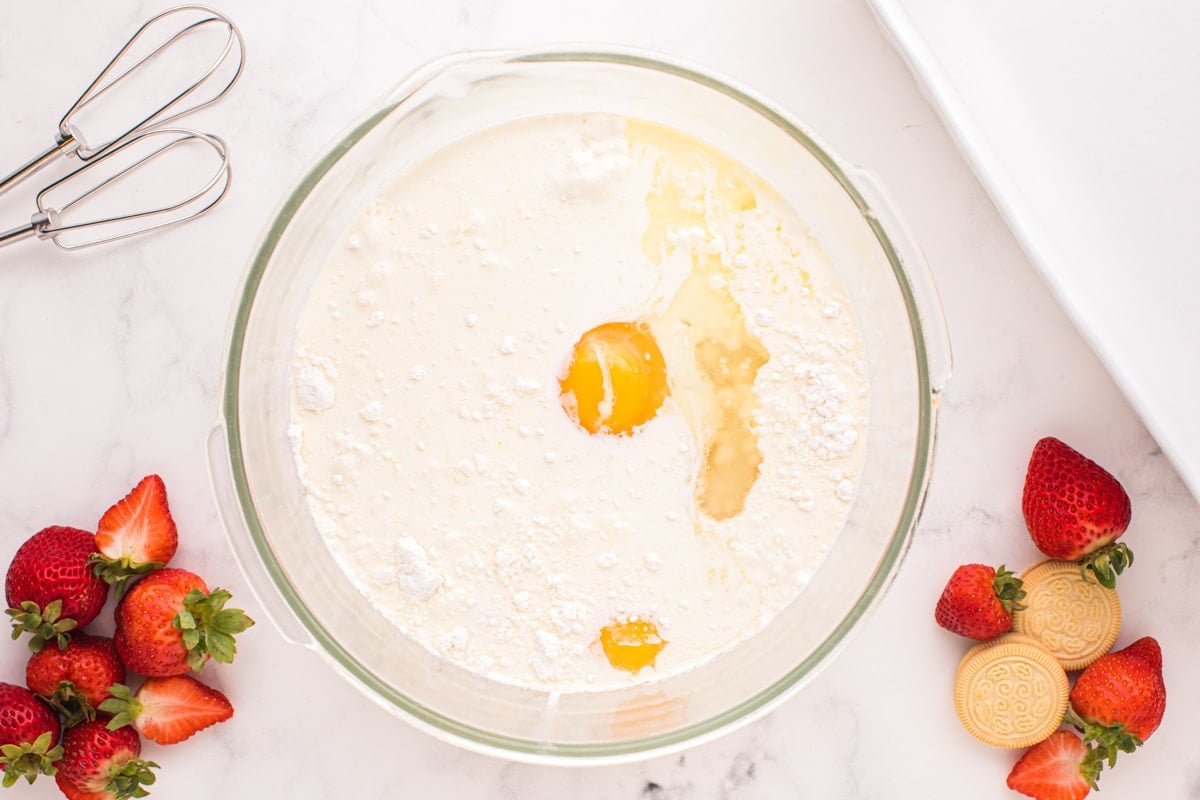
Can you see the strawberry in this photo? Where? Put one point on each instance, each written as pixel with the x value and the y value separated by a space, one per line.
pixel 169 623
pixel 1075 510
pixel 978 601
pixel 135 536
pixel 51 589
pixel 76 680
pixel 29 734
pixel 73 793
pixel 97 761
pixel 168 710
pixel 1118 702
pixel 1057 768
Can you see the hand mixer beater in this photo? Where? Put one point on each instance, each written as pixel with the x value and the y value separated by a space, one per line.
pixel 180 61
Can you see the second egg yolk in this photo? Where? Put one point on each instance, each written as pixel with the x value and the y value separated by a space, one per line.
pixel 617 379
pixel 632 644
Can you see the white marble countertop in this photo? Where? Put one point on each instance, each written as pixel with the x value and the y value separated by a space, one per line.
pixel 110 363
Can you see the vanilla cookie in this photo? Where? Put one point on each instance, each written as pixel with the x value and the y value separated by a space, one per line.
pixel 1073 618
pixel 1010 692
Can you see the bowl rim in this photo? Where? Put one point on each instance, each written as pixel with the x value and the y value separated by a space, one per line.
pixel 519 749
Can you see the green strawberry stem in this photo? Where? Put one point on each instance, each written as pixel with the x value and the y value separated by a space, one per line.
pixel 1105 564
pixel 29 759
pixel 46 624
pixel 1105 742
pixel 1009 590
pixel 117 572
pixel 71 704
pixel 126 780
pixel 208 627
pixel 123 706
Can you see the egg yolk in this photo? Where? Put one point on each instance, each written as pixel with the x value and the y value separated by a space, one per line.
pixel 617 379
pixel 632 644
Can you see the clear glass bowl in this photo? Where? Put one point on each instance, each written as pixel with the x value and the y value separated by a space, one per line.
pixel 312 602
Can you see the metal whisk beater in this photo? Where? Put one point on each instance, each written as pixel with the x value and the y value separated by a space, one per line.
pixel 133 158
pixel 139 141
pixel 191 97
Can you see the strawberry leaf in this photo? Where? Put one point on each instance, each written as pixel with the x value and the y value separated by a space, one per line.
pixel 217 600
pixel 117 572
pixel 231 621
pixel 30 759
pixel 126 780
pixel 208 627
pixel 123 706
pixel 196 659
pixel 1105 564
pixel 72 704
pixel 1091 767
pixel 1009 590
pixel 46 624
pixel 195 597
pixel 221 646
pixel 1105 742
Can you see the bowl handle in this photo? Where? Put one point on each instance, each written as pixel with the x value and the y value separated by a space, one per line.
pixel 220 471
pixel 883 210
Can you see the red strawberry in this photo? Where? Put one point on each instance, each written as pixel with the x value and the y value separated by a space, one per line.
pixel 169 623
pixel 1058 768
pixel 1119 701
pixel 29 733
pixel 51 589
pixel 136 535
pixel 99 761
pixel 1075 510
pixel 76 681
pixel 73 793
pixel 978 601
pixel 168 710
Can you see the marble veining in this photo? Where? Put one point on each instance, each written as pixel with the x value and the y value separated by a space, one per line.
pixel 110 363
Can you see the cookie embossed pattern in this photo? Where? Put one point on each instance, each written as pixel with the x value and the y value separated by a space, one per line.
pixel 1077 621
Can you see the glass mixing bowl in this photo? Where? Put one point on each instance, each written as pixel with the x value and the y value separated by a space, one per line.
pixel 312 602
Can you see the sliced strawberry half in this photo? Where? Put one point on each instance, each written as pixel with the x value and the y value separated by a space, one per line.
pixel 1058 768
pixel 135 536
pixel 168 710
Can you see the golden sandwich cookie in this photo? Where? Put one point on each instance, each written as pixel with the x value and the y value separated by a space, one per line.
pixel 979 647
pixel 1010 692
pixel 1075 619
